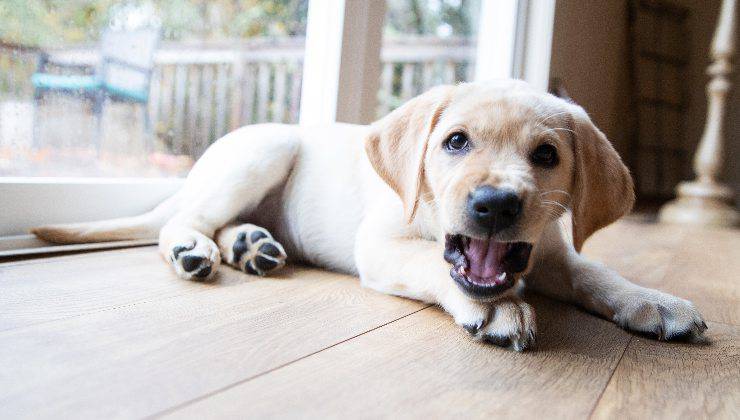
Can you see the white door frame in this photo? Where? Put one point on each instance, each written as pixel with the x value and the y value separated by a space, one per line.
pixel 515 40
pixel 536 48
pixel 341 69
pixel 496 51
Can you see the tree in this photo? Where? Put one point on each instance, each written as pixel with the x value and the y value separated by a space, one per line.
pixel 49 23
pixel 431 17
pixel 57 22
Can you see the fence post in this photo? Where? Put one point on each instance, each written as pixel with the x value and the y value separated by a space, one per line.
pixel 295 90
pixel 206 109
pixel 263 95
pixel 222 74
pixel 237 82
pixel 193 106
pixel 407 81
pixel 181 73
pixel 278 99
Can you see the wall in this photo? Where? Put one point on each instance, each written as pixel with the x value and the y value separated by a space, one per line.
pixel 590 56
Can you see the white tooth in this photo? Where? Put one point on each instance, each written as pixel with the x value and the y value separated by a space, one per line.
pixel 501 277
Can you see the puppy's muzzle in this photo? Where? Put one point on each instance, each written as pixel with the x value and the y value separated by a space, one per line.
pixel 493 209
pixel 482 265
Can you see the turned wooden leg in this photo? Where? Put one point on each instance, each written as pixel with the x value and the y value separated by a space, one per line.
pixel 705 201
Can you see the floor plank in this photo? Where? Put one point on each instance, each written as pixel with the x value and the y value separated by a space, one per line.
pixel 116 334
pixel 702 265
pixel 641 252
pixel 423 365
pixel 706 270
pixel 139 359
pixel 55 288
pixel 669 381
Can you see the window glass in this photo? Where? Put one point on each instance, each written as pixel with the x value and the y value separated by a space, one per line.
pixel 426 43
pixel 107 88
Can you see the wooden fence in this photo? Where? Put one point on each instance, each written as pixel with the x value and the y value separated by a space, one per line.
pixel 199 93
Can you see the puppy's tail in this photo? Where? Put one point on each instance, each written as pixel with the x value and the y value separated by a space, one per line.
pixel 144 226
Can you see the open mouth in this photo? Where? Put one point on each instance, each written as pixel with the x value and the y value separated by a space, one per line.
pixel 484 268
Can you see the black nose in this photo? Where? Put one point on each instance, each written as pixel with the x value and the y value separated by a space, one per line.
pixel 494 209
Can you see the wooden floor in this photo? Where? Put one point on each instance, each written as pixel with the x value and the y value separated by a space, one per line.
pixel 115 334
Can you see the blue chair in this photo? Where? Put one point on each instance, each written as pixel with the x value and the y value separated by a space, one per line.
pixel 123 75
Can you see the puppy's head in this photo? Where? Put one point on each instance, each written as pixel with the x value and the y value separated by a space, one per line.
pixel 495 163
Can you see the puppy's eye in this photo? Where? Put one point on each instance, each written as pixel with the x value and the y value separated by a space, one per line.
pixel 457 142
pixel 545 155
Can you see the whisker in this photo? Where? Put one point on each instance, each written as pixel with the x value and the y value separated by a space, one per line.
pixel 557 114
pixel 567 194
pixel 555 203
pixel 559 129
pixel 551 214
pixel 547 206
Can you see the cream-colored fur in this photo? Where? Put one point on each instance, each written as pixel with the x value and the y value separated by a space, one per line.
pixel 381 208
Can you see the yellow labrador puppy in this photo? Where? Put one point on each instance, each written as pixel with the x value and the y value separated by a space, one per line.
pixel 453 199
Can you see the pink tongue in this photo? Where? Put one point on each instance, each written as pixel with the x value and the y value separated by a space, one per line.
pixel 484 257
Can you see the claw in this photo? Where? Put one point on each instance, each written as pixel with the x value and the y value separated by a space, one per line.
pixel 474 328
pixel 703 327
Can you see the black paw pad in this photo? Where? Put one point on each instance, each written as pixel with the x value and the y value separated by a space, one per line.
pixel 176 251
pixel 270 249
pixel 497 340
pixel 203 272
pixel 240 246
pixel 681 335
pixel 250 269
pixel 257 235
pixel 264 264
pixel 191 262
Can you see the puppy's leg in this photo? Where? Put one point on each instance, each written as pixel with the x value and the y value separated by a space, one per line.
pixel 250 248
pixel 415 268
pixel 231 178
pixel 564 274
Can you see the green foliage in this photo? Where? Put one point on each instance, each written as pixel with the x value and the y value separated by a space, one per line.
pixel 50 23
pixel 57 22
pixel 228 19
pixel 432 17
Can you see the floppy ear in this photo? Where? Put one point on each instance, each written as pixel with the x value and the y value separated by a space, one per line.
pixel 603 190
pixel 397 144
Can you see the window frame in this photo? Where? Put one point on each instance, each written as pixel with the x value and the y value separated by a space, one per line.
pixel 342 57
pixel 32 201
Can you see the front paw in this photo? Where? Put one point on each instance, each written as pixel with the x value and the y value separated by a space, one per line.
pixel 507 322
pixel 661 315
